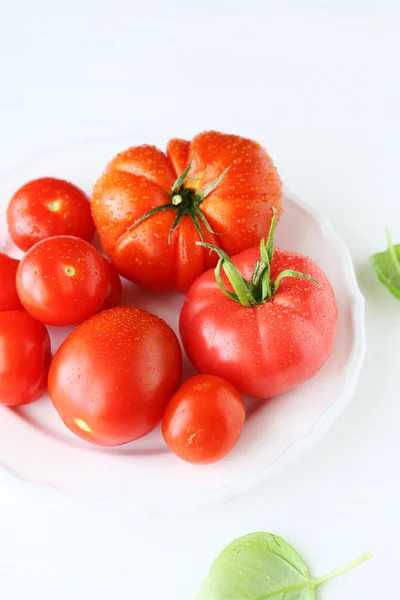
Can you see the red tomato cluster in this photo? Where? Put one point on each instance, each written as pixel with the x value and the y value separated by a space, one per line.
pixel 257 324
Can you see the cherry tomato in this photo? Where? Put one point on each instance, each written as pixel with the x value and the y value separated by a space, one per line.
pixel 204 419
pixel 151 208
pixel 62 280
pixel 25 357
pixel 114 289
pixel 274 330
pixel 8 292
pixel 46 207
pixel 112 378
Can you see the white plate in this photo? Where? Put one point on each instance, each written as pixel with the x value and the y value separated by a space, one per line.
pixel 144 475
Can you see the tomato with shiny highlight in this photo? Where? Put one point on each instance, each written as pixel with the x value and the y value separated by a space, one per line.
pixel 113 376
pixel 46 207
pixel 62 280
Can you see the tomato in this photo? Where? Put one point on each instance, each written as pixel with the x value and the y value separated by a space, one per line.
pixel 274 331
pixel 114 289
pixel 149 217
pixel 62 280
pixel 25 357
pixel 8 292
pixel 204 419
pixel 112 378
pixel 46 207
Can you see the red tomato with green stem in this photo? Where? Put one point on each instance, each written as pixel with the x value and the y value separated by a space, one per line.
pixel 25 358
pixel 113 376
pixel 62 280
pixel 267 324
pixel 46 207
pixel 204 419
pixel 151 208
pixel 8 291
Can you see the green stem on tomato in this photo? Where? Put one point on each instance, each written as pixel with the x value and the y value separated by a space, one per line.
pixel 240 286
pixel 185 201
pixel 259 289
pixel 179 182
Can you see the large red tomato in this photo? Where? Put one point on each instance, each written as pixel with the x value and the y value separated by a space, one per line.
pixel 8 292
pixel 25 357
pixel 45 207
pixel 151 208
pixel 62 280
pixel 204 419
pixel 269 331
pixel 112 378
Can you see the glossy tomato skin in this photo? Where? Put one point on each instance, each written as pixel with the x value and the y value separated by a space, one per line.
pixel 8 291
pixel 112 378
pixel 204 419
pixel 270 348
pixel 114 289
pixel 140 179
pixel 46 207
pixel 25 358
pixel 62 280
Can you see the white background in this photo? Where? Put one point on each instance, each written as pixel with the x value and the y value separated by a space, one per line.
pixel 317 83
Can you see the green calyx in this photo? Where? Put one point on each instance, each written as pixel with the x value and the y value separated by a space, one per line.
pixel 185 201
pixel 259 289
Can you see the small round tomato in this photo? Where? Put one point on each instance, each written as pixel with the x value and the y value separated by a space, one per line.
pixel 114 289
pixel 25 358
pixel 8 292
pixel 113 376
pixel 46 207
pixel 62 280
pixel 204 419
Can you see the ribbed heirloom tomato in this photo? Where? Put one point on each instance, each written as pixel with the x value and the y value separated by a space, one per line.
pixel 45 207
pixel 25 357
pixel 263 325
pixel 113 376
pixel 151 208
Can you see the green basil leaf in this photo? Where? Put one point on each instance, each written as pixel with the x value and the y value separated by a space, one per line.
pixel 387 266
pixel 259 566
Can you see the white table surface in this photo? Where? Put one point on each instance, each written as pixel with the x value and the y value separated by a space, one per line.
pixel 317 83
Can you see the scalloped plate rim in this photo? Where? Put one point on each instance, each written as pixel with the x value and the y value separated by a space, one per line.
pixel 292 451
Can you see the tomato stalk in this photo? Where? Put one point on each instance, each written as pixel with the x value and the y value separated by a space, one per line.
pixel 259 289
pixel 185 201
